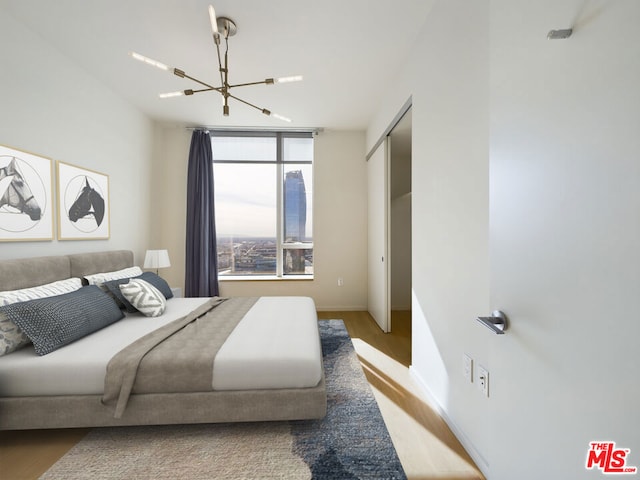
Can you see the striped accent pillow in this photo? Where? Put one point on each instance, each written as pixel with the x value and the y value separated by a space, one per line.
pixel 146 298
pixel 41 291
pixel 11 336
pixel 99 278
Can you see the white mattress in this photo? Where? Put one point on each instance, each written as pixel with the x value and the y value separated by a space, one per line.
pixel 276 345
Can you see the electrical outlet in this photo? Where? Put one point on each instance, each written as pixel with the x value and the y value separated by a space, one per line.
pixel 483 380
pixel 467 367
pixel 340 281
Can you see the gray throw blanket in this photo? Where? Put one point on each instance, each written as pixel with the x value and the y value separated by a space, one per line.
pixel 177 357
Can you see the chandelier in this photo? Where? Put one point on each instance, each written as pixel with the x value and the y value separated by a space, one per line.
pixel 222 28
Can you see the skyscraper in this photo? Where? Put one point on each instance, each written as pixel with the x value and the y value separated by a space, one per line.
pixel 295 207
pixel 295 220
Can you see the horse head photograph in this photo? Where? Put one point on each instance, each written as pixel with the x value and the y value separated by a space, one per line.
pixel 83 200
pixel 16 194
pixel 89 203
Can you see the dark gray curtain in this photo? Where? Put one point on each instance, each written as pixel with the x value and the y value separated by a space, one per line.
pixel 201 270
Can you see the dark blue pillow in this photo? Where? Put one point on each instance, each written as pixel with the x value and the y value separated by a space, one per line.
pixel 54 322
pixel 114 288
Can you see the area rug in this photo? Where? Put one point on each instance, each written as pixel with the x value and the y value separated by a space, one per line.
pixel 351 442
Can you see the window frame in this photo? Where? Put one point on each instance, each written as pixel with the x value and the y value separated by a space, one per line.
pixel 280 164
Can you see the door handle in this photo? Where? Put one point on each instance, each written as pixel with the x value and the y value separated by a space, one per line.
pixel 497 322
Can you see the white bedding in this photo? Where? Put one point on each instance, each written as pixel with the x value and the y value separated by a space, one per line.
pixel 274 346
pixel 79 368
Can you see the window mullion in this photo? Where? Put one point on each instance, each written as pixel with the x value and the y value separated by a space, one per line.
pixel 279 209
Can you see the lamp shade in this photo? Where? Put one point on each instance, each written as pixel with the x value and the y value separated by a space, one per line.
pixel 156 259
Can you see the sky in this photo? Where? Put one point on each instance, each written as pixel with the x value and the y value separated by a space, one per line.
pixel 245 197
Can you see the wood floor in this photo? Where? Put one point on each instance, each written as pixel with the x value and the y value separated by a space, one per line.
pixel 427 448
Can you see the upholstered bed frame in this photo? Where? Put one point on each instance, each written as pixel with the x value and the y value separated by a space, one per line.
pixel 142 409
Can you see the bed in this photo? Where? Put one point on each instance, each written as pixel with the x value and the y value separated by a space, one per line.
pixel 107 378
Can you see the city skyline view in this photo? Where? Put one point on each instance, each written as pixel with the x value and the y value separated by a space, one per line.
pixel 256 180
pixel 246 254
pixel 245 200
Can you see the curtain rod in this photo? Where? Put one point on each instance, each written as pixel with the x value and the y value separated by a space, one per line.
pixel 313 130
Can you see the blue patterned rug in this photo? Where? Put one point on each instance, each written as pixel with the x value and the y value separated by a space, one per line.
pixel 351 442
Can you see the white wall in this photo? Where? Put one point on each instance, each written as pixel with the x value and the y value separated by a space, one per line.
pixel 339 223
pixel 169 197
pixel 449 76
pixel 552 127
pixel 53 108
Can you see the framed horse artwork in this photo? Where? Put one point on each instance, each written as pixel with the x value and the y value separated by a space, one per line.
pixel 26 198
pixel 83 203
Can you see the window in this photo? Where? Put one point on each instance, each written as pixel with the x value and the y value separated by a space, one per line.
pixel 263 201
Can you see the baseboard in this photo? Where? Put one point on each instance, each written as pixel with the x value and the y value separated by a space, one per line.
pixel 401 308
pixel 458 432
pixel 342 308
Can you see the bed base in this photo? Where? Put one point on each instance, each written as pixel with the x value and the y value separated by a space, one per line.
pixel 80 411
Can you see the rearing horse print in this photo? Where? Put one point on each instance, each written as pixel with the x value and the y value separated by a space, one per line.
pixel 17 195
pixel 88 203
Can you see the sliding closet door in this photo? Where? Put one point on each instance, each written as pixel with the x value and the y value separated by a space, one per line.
pixel 378 298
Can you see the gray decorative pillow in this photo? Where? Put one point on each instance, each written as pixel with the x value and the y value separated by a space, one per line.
pixel 113 287
pixel 144 297
pixel 54 322
pixel 158 282
pixel 11 336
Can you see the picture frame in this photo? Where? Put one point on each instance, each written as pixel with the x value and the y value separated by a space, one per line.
pixel 26 196
pixel 83 203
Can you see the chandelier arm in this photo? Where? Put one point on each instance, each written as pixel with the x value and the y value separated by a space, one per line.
pixel 204 90
pixel 268 81
pixel 226 63
pixel 219 63
pixel 181 74
pixel 263 110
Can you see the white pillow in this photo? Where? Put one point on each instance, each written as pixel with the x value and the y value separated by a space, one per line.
pixel 99 278
pixel 144 297
pixel 11 336
pixel 48 290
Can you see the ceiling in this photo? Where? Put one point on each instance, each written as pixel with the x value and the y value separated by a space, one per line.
pixel 347 50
